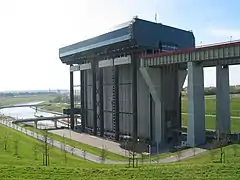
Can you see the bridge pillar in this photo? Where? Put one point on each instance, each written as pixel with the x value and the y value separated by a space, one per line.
pixel 35 124
pixel 196 106
pixel 55 123
pixel 223 122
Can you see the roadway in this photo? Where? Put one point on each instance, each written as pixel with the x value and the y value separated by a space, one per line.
pixel 88 156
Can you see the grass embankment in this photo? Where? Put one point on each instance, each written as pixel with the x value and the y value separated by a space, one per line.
pixel 232 155
pixel 25 99
pixel 25 166
pixel 209 171
pixel 55 107
pixel 79 145
pixel 17 148
pixel 210 109
pixel 94 150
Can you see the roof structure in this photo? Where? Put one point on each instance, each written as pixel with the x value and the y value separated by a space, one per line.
pixel 136 33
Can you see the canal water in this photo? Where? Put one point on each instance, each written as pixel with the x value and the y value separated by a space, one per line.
pixel 28 112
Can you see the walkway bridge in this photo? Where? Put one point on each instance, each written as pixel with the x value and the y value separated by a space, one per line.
pixel 35 120
pixel 156 67
pixel 25 105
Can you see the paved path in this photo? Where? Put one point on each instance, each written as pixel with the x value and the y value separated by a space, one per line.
pixel 80 153
pixel 94 141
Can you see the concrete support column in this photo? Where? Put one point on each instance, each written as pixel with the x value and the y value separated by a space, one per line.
pixel 71 100
pixel 35 124
pixel 196 106
pixel 55 123
pixel 223 124
pixel 152 77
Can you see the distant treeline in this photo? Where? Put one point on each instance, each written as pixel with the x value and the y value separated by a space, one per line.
pixel 14 94
pixel 212 90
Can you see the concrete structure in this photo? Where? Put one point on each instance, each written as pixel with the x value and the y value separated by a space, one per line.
pixel 219 55
pixel 36 120
pixel 128 88
pixel 116 95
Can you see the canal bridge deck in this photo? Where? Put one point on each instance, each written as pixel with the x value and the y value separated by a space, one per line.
pixel 227 53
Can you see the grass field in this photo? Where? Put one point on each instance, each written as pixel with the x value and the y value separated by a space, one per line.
pixel 55 107
pixel 210 109
pixel 87 148
pixel 210 105
pixel 25 166
pixel 165 172
pixel 25 99
pixel 24 150
pixel 94 150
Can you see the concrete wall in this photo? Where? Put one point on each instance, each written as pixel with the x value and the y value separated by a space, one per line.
pixel 89 100
pixel 107 97
pixel 125 99
pixel 143 102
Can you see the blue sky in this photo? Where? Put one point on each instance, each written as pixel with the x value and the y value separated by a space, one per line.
pixel 32 31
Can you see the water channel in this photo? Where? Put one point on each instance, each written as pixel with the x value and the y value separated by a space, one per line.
pixel 28 112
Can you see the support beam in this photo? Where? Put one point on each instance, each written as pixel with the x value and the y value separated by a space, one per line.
pixel 153 79
pixel 196 107
pixel 94 96
pixel 71 100
pixel 35 124
pixel 116 84
pixel 55 123
pixel 101 102
pixel 83 120
pixel 223 123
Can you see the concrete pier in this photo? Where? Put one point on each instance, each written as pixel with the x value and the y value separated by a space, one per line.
pixel 196 106
pixel 223 124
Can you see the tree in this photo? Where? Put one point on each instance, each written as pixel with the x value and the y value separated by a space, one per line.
pixel 16 143
pixel 6 141
pixel 178 154
pixel 234 147
pixel 103 153
pixel 194 151
pixel 84 154
pixel 35 152
pixel 64 149
pixel 45 150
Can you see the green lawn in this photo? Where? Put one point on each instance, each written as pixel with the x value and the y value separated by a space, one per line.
pixel 210 123
pixel 24 150
pixel 232 155
pixel 55 107
pixel 87 148
pixel 183 171
pixel 210 105
pixel 94 150
pixel 26 99
pixel 24 165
